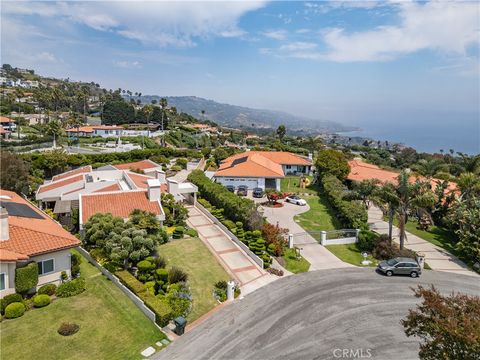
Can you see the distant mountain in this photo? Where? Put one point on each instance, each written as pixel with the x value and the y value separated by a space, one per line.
pixel 248 118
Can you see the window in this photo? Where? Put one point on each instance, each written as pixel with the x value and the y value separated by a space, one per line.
pixel 45 267
pixel 288 167
pixel 2 281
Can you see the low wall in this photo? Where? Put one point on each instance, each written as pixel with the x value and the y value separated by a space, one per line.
pixel 348 240
pixel 136 300
pixel 232 236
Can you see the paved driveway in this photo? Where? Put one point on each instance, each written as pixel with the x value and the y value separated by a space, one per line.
pixel 308 316
pixel 316 254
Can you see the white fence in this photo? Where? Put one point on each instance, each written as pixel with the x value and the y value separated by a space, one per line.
pixel 333 237
pixel 244 247
pixel 136 300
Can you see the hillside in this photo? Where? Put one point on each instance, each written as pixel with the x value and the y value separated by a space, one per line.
pixel 248 118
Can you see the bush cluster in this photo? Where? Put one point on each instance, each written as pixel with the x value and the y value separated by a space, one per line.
pixel 71 288
pixel 235 208
pixel 14 310
pixel 367 240
pixel 9 299
pixel 41 300
pixel 67 329
pixel 385 249
pixel 48 289
pixel 178 232
pixel 26 277
pixel 351 213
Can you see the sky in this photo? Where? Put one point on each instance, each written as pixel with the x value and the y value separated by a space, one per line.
pixel 367 64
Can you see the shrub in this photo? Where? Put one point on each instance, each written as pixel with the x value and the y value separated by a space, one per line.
pixel 160 262
pixel 204 203
pixel 9 299
pixel 178 232
pixel 220 290
pixel 162 310
pixel 145 266
pixel 71 288
pixel 274 271
pixel 384 248
pixel 192 232
pixel 182 162
pixel 41 300
pixel 162 275
pixel 26 277
pixel 48 289
pixel 176 168
pixel 14 310
pixel 67 329
pixel 367 240
pixel 176 275
pixel 229 224
pixel 131 282
pixel 76 259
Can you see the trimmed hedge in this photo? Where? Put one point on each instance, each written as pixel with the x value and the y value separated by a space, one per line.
pixel 14 310
pixel 192 232
pixel 48 289
pixel 235 208
pixel 162 311
pixel 351 213
pixel 9 299
pixel 26 277
pixel 41 300
pixel 178 232
pixel 71 288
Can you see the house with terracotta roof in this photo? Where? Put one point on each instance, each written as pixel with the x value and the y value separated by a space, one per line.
pixel 27 234
pixel 8 124
pixel 99 130
pixel 262 169
pixel 360 171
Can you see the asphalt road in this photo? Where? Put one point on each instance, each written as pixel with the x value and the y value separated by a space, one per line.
pixel 316 315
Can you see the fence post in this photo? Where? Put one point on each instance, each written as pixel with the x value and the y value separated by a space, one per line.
pixel 323 237
pixel 357 232
pixel 290 241
pixel 230 290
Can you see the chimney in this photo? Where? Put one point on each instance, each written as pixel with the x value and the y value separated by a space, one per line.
pixel 4 231
pixel 172 186
pixel 310 156
pixel 153 189
pixel 161 176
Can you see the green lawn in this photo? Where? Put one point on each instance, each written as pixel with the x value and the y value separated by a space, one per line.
pixel 319 217
pixel 290 184
pixel 293 264
pixel 350 253
pixel 203 271
pixel 111 326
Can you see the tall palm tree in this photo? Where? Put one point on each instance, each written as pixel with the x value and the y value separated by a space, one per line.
pixel 148 110
pixel 163 104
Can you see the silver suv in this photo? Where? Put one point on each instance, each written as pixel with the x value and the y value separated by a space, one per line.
pixel 400 266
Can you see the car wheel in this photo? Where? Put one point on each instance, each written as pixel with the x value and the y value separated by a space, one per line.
pixel 389 273
pixel 413 274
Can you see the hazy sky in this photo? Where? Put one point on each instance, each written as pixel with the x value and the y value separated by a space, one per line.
pixel 355 62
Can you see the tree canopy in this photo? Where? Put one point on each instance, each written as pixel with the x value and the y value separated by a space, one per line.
pixel 332 162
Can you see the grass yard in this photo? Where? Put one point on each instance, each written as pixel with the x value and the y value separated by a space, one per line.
pixel 293 264
pixel 290 184
pixel 203 271
pixel 319 217
pixel 350 253
pixel 111 326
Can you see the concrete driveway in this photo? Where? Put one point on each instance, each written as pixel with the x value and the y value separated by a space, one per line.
pixel 316 254
pixel 311 315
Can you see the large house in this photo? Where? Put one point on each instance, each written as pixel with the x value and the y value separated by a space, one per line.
pixel 116 189
pixel 8 124
pixel 99 130
pixel 262 169
pixel 27 234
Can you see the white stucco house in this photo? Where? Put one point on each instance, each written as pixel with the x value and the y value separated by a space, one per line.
pixel 29 235
pixel 262 169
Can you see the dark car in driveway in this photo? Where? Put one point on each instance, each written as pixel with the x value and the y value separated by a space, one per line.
pixel 230 188
pixel 257 193
pixel 400 266
pixel 242 190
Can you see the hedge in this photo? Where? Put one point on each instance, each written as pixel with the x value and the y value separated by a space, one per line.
pixel 48 289
pixel 351 213
pixel 8 299
pixel 26 277
pixel 41 300
pixel 163 313
pixel 235 208
pixel 71 288
pixel 14 310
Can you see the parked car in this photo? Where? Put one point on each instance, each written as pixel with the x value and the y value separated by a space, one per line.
pixel 230 188
pixel 257 193
pixel 295 199
pixel 400 266
pixel 242 190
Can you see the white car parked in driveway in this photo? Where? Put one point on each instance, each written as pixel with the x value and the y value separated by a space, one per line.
pixel 295 199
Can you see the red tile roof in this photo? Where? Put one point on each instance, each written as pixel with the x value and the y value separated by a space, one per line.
pixel 140 165
pixel 259 164
pixel 57 184
pixel 80 170
pixel 4 119
pixel 84 129
pixel 113 187
pixel 118 203
pixel 3 131
pixel 139 180
pixel 29 237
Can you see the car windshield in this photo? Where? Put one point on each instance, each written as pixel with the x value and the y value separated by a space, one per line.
pixel 392 262
pixel 295 197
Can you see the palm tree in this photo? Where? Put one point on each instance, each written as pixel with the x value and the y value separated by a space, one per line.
pixel 55 129
pixel 469 185
pixel 364 191
pixel 430 168
pixel 147 109
pixel 163 104
pixel 405 198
